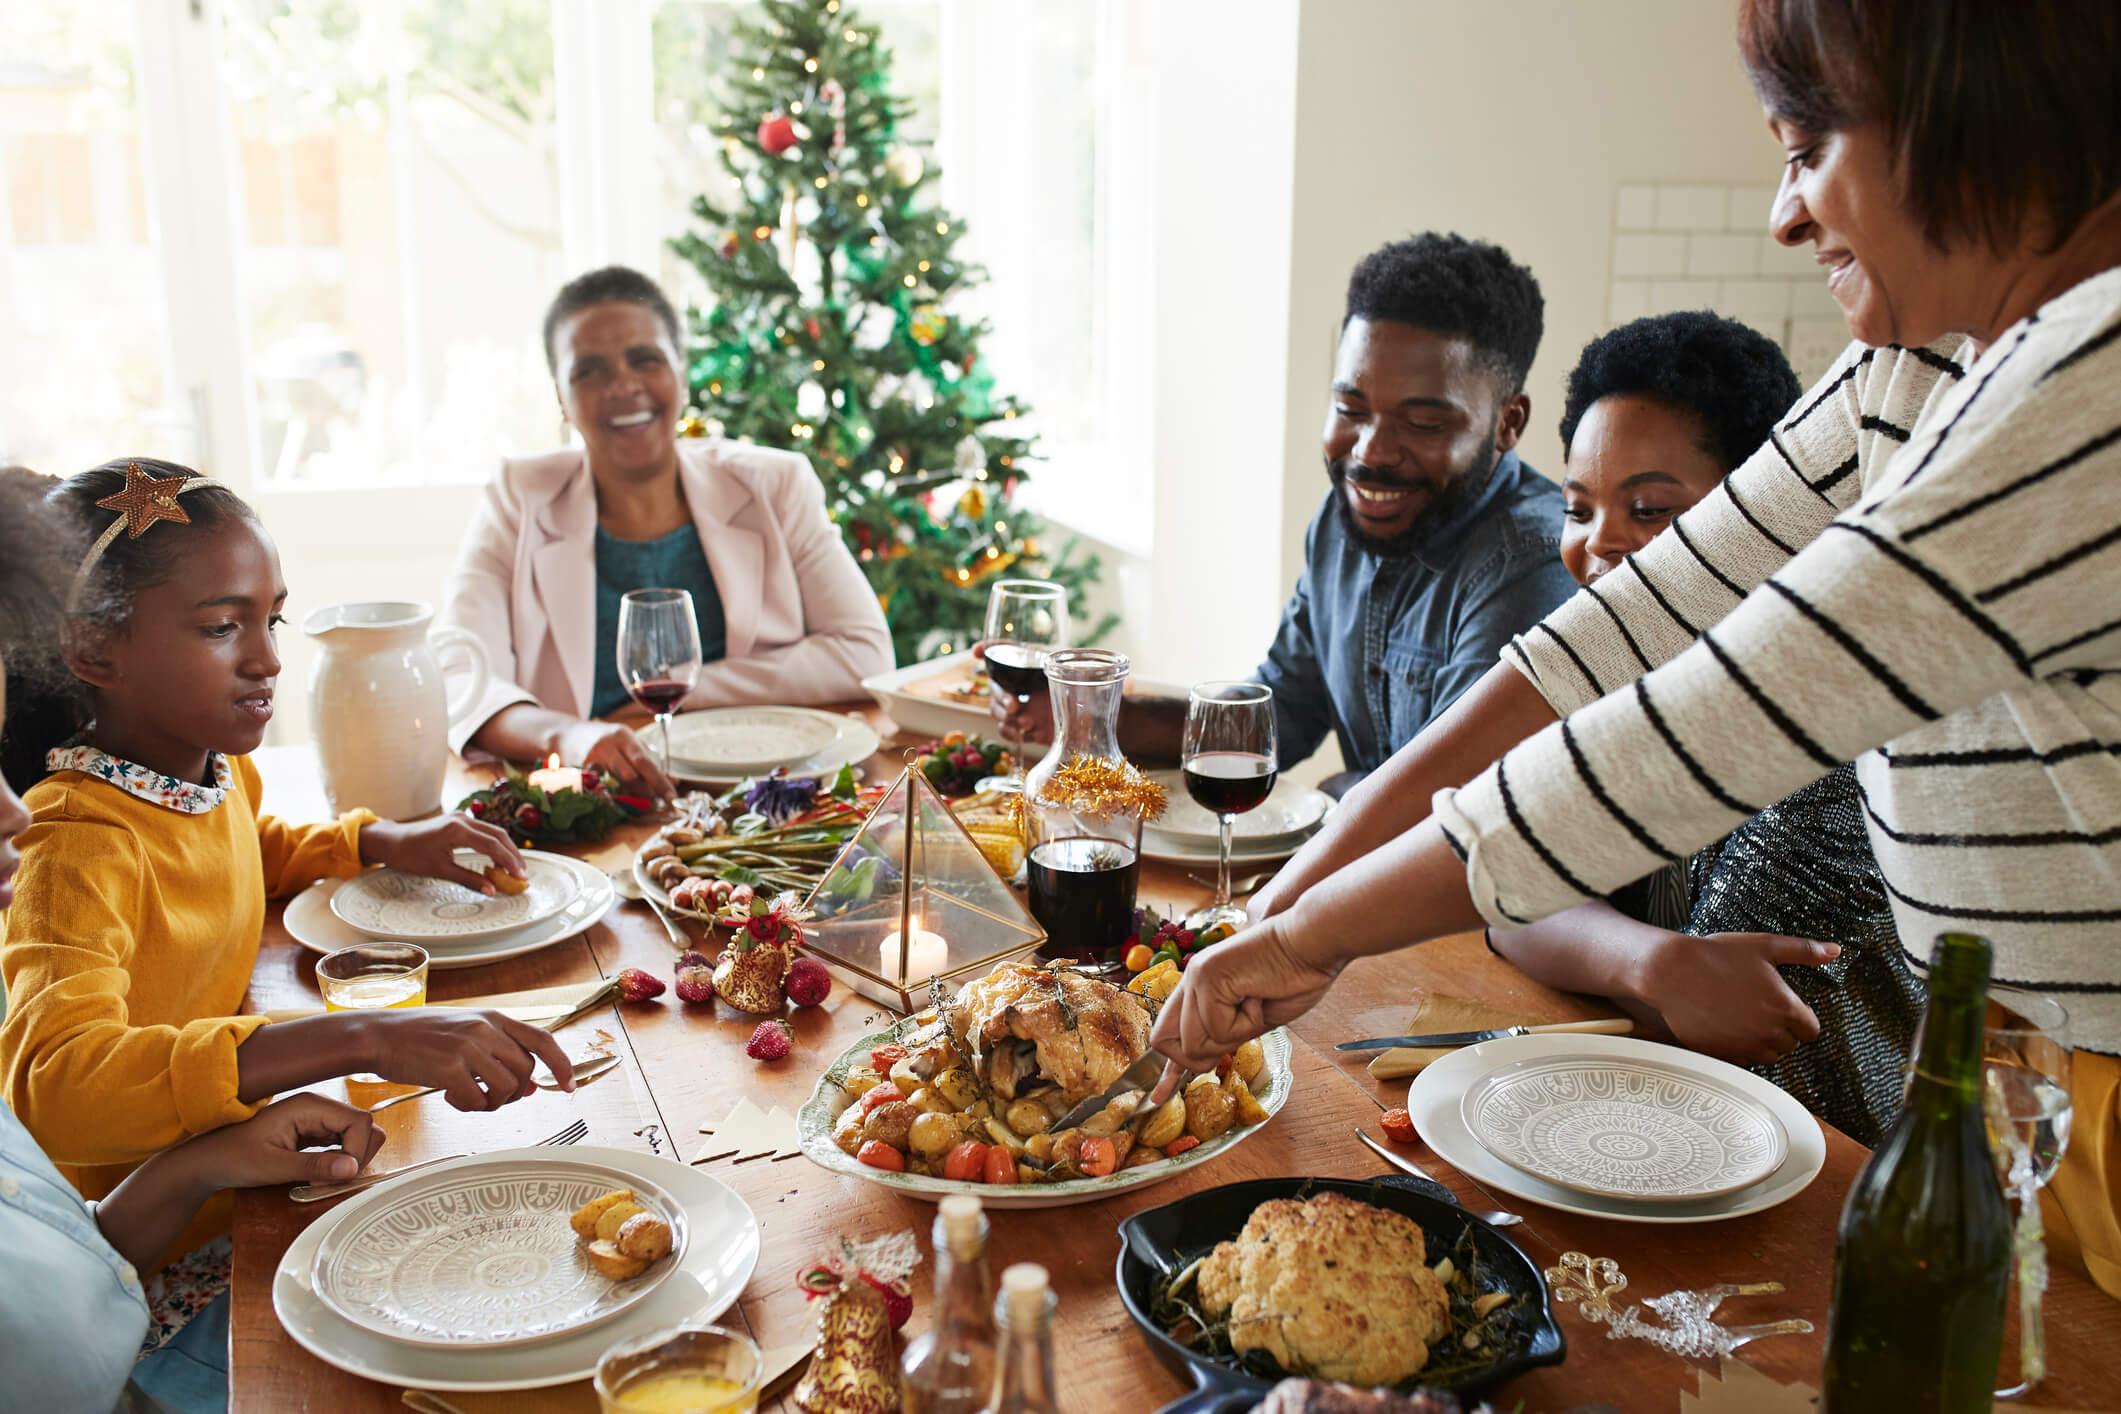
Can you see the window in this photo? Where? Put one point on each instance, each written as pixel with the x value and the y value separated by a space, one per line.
pixel 355 212
pixel 84 355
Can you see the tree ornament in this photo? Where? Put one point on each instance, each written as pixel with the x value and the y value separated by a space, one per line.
pixel 926 325
pixel 731 244
pixel 776 134
pixel 810 401
pixel 973 504
pixel 905 165
pixel 855 1367
pixel 692 425
pixel 969 456
pixel 764 935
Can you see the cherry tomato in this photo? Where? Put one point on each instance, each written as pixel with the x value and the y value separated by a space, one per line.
pixel 880 1095
pixel 1179 1146
pixel 966 1162
pixel 1000 1165
pixel 886 1056
pixel 879 1155
pixel 1099 1156
pixel 1398 1126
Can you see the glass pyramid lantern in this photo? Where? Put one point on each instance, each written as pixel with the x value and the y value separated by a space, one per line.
pixel 911 901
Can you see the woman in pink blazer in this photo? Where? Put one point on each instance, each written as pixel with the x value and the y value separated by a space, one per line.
pixel 785 614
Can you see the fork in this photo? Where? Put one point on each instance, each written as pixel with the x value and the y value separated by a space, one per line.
pixel 1493 1217
pixel 573 1133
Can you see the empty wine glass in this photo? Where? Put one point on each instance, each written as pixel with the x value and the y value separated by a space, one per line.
pixel 1229 764
pixel 1026 620
pixel 659 652
pixel 2025 1076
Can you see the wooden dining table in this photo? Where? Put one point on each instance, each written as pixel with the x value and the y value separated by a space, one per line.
pixel 683 1067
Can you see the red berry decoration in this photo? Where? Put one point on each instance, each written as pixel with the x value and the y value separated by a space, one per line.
pixel 530 819
pixel 898 1299
pixel 808 983
pixel 591 781
pixel 776 133
pixel 638 986
pixel 693 957
pixel 771 1042
pixel 476 809
pixel 695 984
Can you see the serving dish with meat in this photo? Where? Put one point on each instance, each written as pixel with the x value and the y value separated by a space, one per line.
pixel 1377 1284
pixel 968 1093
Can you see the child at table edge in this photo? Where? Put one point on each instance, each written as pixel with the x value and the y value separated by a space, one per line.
pixel 140 902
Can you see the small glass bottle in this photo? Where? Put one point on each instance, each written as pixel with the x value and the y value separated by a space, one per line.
pixel 950 1368
pixel 1023 1382
pixel 1084 863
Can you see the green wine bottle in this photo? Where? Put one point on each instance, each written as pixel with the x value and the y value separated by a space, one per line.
pixel 1924 1258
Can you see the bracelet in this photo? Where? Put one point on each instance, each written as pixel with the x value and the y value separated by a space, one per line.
pixel 1487 935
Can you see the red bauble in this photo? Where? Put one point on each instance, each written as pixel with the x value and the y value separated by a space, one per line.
pixel 776 133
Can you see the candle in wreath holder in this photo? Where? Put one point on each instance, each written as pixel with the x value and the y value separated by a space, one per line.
pixel 911 903
pixel 1083 808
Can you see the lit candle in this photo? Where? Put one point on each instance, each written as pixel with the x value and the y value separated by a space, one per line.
pixel 552 778
pixel 926 954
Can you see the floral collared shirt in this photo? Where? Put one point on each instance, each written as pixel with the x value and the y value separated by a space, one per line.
pixel 185 797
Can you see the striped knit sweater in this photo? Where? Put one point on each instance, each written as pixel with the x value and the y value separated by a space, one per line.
pixel 1920 572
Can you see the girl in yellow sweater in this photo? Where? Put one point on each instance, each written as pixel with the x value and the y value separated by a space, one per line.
pixel 141 896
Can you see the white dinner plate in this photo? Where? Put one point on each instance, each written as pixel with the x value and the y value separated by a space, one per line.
pixel 920 712
pixel 1433 1103
pixel 846 741
pixel 742 740
pixel 815 1120
pixel 1177 851
pixel 310 921
pixel 712 1273
pixel 1633 1129
pixel 482 1256
pixel 415 908
pixel 1292 811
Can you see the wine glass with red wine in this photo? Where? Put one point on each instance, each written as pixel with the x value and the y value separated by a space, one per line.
pixel 659 652
pixel 1026 620
pixel 1229 766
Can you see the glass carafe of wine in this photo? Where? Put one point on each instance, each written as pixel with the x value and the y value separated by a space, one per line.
pixel 1084 861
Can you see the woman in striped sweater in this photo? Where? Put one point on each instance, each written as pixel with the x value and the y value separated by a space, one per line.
pixel 1918 573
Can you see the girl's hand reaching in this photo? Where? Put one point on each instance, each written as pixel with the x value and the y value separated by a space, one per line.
pixel 429 847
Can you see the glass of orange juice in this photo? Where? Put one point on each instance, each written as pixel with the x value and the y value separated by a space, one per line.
pixel 372 976
pixel 691 1370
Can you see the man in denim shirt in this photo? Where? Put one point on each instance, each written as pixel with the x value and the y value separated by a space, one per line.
pixel 1435 544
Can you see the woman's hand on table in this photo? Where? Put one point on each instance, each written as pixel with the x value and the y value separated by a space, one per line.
pixel 1237 990
pixel 429 847
pixel 618 749
pixel 479 1060
pixel 1722 996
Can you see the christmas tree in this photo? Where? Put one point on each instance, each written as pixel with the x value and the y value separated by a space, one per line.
pixel 831 333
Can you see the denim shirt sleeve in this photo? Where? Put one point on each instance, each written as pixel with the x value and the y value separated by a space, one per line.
pixel 1519 591
pixel 1303 708
pixel 71 1309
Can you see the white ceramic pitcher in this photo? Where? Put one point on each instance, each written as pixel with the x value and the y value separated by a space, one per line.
pixel 379 708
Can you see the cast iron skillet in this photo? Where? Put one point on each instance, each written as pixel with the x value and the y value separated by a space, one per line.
pixel 1177 1232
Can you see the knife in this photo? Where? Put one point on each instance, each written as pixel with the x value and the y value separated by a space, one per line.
pixel 1130 1079
pixel 1610 1026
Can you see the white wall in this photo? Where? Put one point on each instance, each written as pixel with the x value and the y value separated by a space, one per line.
pixel 1516 123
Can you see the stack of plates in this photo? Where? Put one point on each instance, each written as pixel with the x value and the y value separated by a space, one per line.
pixel 1614 1127
pixel 1186 833
pixel 466 1276
pixel 459 928
pixel 731 743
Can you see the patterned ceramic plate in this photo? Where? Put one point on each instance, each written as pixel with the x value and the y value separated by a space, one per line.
pixel 384 903
pixel 746 739
pixel 1624 1128
pixel 482 1256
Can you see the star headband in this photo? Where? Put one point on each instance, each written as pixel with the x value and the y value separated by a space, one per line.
pixel 145 500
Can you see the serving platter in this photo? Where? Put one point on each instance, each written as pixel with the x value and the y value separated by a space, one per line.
pixel 309 920
pixel 815 1120
pixel 481 1256
pixel 818 742
pixel 717 1263
pixel 389 903
pixel 1434 1103
pixel 1627 1129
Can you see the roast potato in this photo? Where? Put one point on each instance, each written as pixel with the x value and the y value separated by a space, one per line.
pixel 847 1130
pixel 614 1217
pixel 891 1123
pixel 929 1100
pixel 1250 1060
pixel 612 1264
pixel 1028 1117
pixel 1209 1111
pixel 644 1235
pixel 1249 1110
pixel 957 1086
pixel 932 1134
pixel 1166 1124
pixel 584 1221
pixel 860 1081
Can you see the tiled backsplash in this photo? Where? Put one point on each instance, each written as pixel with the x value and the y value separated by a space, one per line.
pixel 1706 247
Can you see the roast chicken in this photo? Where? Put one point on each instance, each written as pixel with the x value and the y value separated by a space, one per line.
pixel 1039 1028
